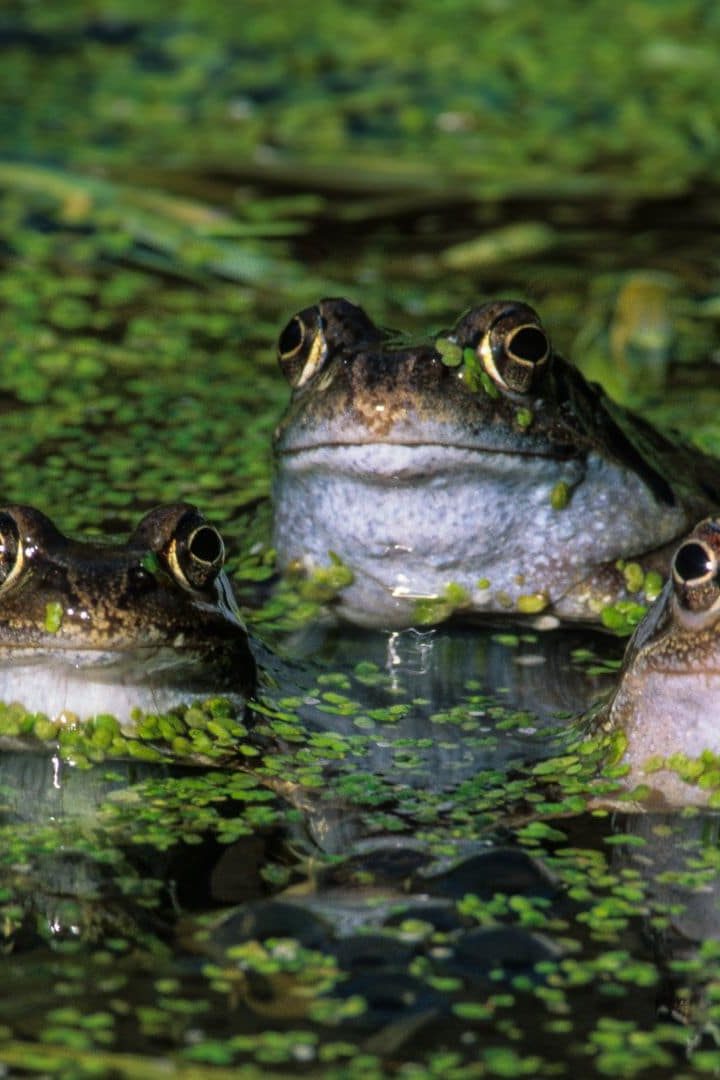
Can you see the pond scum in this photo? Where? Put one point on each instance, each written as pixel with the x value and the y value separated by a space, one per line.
pixel 355 879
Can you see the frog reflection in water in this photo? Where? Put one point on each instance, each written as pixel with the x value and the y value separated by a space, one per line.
pixel 89 627
pixel 482 468
pixel 667 701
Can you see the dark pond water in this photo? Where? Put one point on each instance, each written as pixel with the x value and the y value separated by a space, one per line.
pixel 406 876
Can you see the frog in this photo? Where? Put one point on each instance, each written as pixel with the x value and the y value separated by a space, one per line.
pixel 664 711
pixel 91 626
pixel 477 472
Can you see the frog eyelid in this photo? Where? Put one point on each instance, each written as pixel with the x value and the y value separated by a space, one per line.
pixel 315 360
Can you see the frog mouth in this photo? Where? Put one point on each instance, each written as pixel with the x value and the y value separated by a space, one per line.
pixel 536 449
pixel 391 461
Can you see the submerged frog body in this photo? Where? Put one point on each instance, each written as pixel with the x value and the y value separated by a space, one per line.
pixel 667 702
pixel 480 471
pixel 89 627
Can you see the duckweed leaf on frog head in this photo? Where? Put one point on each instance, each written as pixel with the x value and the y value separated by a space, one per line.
pixel 450 352
pixel 53 617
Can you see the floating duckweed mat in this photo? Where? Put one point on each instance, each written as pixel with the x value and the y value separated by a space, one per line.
pixel 505 930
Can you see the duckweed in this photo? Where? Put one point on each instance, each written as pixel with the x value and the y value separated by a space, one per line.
pixel 532 603
pixel 623 616
pixel 560 495
pixel 634 576
pixel 53 617
pixel 524 418
pixel 472 372
pixel 450 352
pixel 427 612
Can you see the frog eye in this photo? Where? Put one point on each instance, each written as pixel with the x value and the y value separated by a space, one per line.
pixel 514 354
pixel 12 556
pixel 196 553
pixel 695 575
pixel 302 347
pixel 694 563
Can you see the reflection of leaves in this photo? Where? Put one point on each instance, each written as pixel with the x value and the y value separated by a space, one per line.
pixel 190 235
pixel 161 812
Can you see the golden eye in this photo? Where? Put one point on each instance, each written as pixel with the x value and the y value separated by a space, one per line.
pixel 12 556
pixel 302 347
pixel 196 552
pixel 291 339
pixel 514 355
pixel 695 575
pixel 510 342
pixel 694 563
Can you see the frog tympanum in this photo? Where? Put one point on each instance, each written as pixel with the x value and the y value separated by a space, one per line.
pixel 89 627
pixel 478 472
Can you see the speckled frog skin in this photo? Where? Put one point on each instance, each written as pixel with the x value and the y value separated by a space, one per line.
pixel 89 627
pixel 480 468
pixel 667 701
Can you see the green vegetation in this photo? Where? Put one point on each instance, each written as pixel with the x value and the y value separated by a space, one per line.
pixel 175 181
pixel 493 98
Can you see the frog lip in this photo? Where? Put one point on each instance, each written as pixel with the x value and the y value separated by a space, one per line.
pixel 380 458
pixel 420 444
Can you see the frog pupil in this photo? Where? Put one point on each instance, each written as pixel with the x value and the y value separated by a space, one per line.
pixel 693 561
pixel 292 336
pixel 529 344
